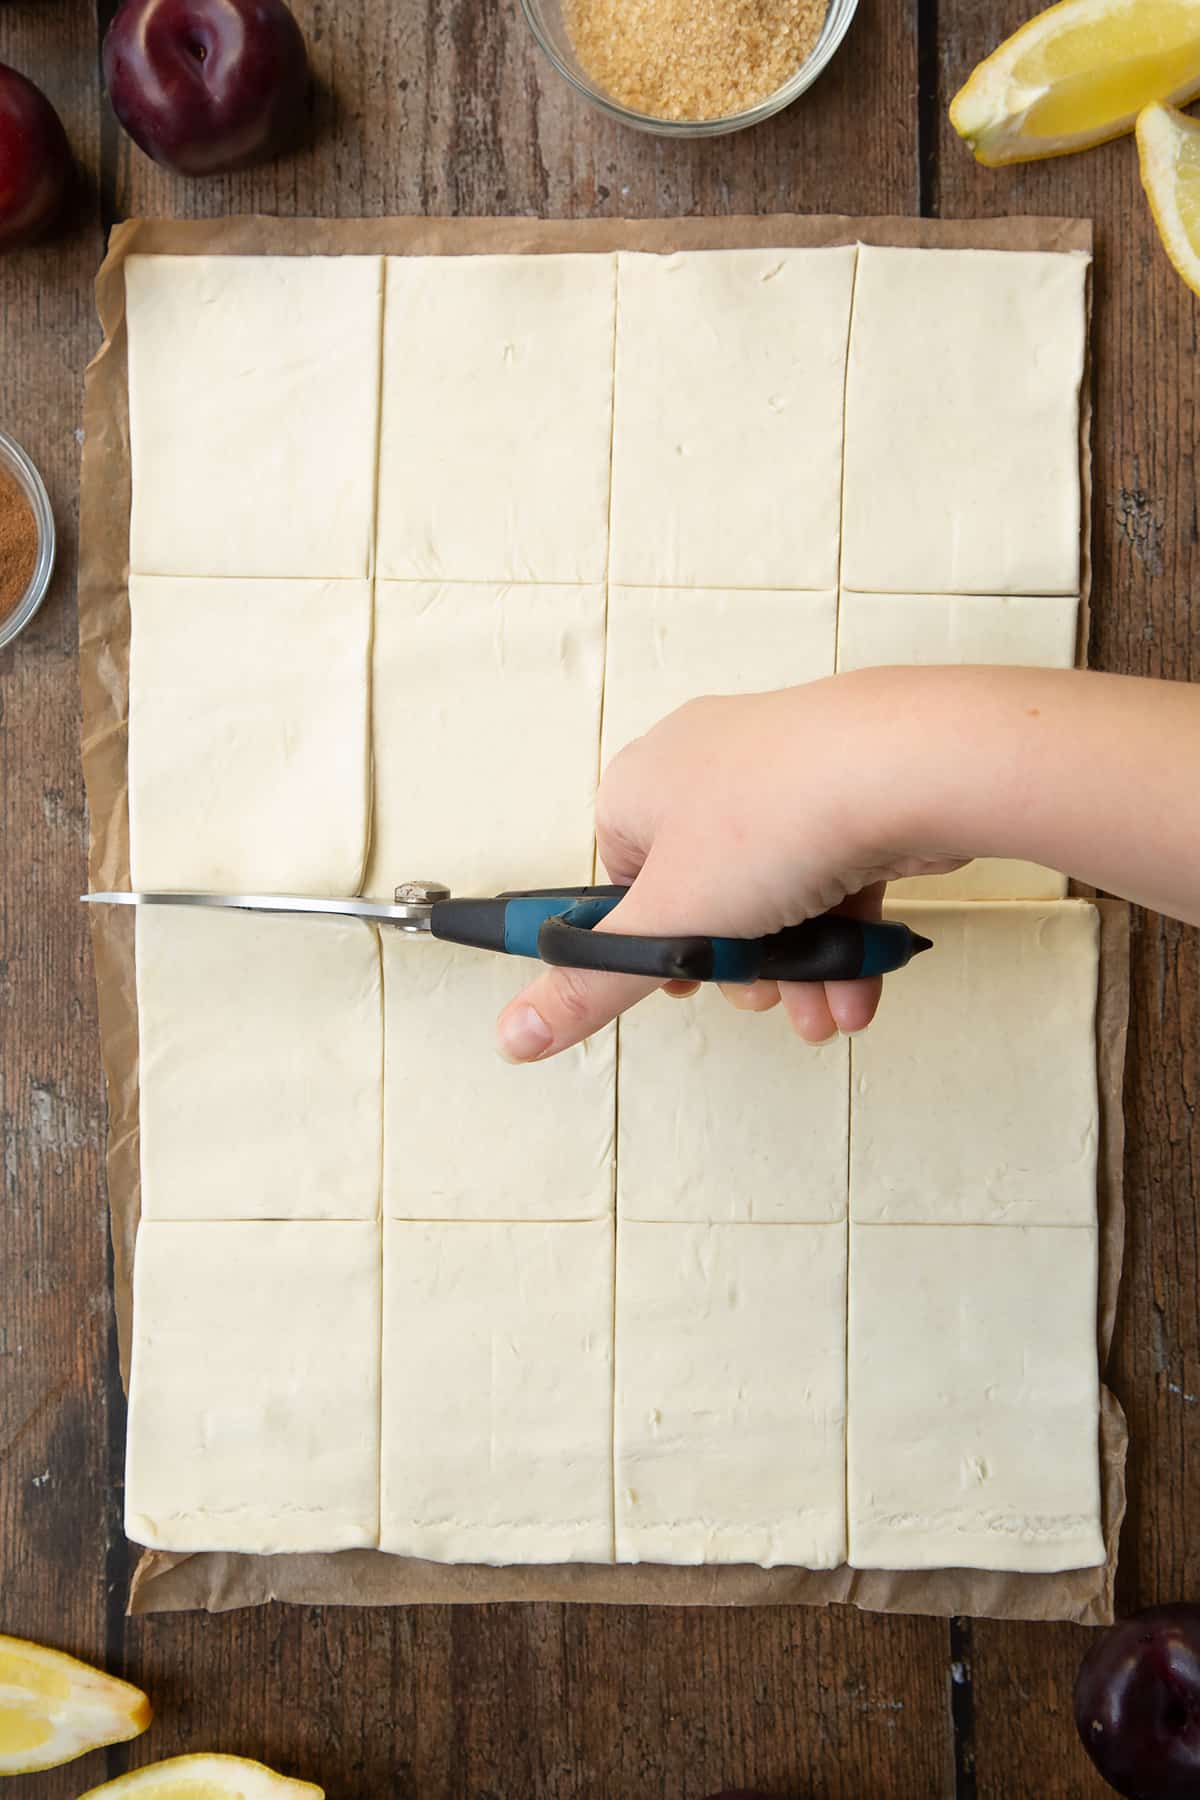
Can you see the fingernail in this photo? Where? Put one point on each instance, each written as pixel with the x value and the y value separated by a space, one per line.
pixel 523 1035
pixel 820 1043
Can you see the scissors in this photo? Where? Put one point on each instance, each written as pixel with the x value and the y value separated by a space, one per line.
pixel 557 925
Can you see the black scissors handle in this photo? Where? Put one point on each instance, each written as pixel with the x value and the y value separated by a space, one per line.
pixel 557 925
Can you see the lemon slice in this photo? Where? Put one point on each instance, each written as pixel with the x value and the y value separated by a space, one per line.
pixel 53 1708
pixel 205 1778
pixel 1078 74
pixel 1169 149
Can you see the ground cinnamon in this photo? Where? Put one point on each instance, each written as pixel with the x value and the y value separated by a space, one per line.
pixel 18 542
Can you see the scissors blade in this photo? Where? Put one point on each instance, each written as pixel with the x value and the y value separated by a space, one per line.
pixel 409 916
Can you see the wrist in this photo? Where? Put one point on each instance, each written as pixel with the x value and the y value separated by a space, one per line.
pixel 896 730
pixel 961 756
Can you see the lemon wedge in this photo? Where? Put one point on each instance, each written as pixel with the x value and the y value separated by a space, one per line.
pixel 1078 74
pixel 1169 149
pixel 53 1708
pixel 205 1778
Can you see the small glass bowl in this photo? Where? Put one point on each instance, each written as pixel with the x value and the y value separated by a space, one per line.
pixel 15 463
pixel 549 28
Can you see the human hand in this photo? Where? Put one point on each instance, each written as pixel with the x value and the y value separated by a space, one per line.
pixel 736 817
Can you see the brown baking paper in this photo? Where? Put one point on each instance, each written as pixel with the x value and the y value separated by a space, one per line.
pixel 165 1582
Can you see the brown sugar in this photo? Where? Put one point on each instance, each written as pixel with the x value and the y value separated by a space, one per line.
pixel 693 59
pixel 18 542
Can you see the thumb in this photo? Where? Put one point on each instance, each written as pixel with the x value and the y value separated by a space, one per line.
pixel 564 1006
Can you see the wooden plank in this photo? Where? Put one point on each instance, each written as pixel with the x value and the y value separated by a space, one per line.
pixel 58 1522
pixel 1024 1738
pixel 1147 388
pixel 563 1701
pixel 449 108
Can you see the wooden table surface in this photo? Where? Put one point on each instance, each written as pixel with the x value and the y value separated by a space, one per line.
pixel 444 106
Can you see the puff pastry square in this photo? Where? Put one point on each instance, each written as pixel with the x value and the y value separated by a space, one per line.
pixel 974 1398
pixel 974 1093
pixel 497 418
pixel 727 435
pixel 260 1065
pixel 486 718
pixel 725 1115
pixel 497 1392
pixel 730 1396
pixel 467 1136
pixel 253 413
pixel 254 1390
pixel 962 422
pixel 249 749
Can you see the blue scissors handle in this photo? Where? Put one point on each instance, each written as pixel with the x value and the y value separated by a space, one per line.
pixel 558 926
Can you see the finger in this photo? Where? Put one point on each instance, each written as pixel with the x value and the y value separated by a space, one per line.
pixel 622 862
pixel 852 1004
pixel 751 996
pixel 567 1005
pixel 680 990
pixel 808 1011
pixel 866 904
pixel 562 1008
pixel 624 833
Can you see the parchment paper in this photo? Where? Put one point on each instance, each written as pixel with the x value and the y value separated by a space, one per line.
pixel 366 1577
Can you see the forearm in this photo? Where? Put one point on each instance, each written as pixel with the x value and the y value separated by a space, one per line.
pixel 740 816
pixel 1098 775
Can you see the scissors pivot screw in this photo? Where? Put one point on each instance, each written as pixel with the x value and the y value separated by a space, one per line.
pixel 420 893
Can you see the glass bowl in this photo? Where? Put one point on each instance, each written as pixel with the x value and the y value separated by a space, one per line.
pixel 14 462
pixel 549 28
